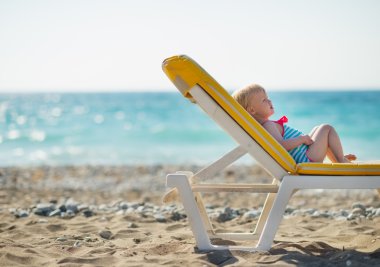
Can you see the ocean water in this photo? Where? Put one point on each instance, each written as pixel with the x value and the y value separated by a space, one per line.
pixel 162 128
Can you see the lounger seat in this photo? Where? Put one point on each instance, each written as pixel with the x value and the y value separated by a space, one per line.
pixel 199 87
pixel 346 169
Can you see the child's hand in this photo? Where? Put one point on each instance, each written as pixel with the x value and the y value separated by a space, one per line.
pixel 307 140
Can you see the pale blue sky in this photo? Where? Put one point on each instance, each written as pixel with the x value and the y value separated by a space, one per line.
pixel 119 45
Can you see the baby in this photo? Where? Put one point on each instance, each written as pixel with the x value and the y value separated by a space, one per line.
pixel 322 141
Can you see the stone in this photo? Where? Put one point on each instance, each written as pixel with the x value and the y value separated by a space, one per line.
pixel 70 213
pixel 140 209
pixel 289 210
pixel 53 201
pixel 252 214
pixel 55 212
pixel 63 208
pixel 21 214
pixel 160 218
pixel 310 211
pixel 352 216
pixel 132 225
pixel 103 207
pixel 358 205
pixel 44 209
pixel 106 234
pixel 88 239
pixel 82 207
pixel 358 211
pixel 176 216
pixel 227 215
pixel 325 215
pixel 123 205
pixel 72 207
pixel 87 213
pixel 377 213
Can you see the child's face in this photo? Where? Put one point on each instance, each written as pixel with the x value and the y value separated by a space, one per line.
pixel 259 105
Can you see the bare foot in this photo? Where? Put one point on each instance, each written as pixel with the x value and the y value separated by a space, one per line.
pixel 350 157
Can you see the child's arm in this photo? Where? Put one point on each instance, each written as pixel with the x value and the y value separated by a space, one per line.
pixel 288 144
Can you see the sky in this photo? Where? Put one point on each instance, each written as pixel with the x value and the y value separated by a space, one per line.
pixel 92 45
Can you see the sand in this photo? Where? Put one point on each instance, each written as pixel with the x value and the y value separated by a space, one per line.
pixel 120 221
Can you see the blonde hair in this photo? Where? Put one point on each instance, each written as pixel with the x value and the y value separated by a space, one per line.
pixel 242 95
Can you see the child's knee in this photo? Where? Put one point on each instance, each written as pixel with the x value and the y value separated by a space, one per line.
pixel 326 127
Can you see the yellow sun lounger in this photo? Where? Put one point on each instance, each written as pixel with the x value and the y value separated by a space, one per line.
pixel 198 86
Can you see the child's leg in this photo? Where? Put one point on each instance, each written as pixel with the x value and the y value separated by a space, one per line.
pixel 326 142
pixel 329 154
pixel 313 131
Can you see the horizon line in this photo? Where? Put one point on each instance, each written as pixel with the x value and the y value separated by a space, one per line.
pixel 168 90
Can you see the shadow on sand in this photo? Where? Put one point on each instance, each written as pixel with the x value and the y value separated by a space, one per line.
pixel 295 254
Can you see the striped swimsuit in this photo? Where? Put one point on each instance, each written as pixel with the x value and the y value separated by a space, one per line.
pixel 299 153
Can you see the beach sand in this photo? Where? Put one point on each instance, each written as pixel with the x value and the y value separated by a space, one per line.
pixel 113 216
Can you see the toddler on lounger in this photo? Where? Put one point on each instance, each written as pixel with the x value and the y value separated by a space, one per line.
pixel 322 141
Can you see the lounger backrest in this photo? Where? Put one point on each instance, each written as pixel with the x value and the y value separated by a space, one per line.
pixel 185 73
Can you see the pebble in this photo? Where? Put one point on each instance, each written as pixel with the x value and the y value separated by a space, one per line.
pixel 358 211
pixel 340 213
pixel 252 214
pixel 72 207
pixel 21 214
pixel 82 207
pixel 172 212
pixel 123 205
pixel 44 209
pixel 56 212
pixel 160 218
pixel 325 214
pixel 106 234
pixel 87 213
pixel 88 239
pixel 103 207
pixel 376 212
pixel 176 216
pixel 289 210
pixel 351 216
pixel 310 211
pixel 69 213
pixel 62 208
pixel 227 215
pixel 132 225
pixel 358 205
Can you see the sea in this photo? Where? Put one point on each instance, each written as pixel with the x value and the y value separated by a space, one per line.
pixel 162 127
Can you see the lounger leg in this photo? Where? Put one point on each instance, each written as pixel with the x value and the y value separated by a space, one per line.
pixel 275 216
pixel 194 216
pixel 198 198
pixel 202 210
pixel 264 214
